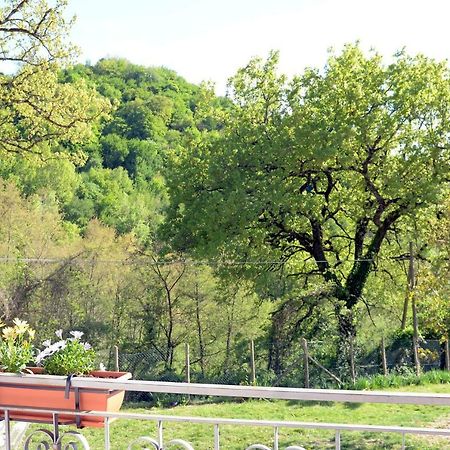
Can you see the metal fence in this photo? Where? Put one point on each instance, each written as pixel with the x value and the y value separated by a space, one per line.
pixel 72 439
pixel 324 368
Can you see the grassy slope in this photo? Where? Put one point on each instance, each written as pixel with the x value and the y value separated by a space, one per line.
pixel 238 438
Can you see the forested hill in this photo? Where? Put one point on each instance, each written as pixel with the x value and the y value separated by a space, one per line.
pixel 79 221
pixel 288 209
pixel 119 177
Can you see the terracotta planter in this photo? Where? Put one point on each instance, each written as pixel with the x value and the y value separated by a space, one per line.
pixel 53 397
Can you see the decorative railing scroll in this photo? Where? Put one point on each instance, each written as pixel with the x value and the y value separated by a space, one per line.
pixel 46 440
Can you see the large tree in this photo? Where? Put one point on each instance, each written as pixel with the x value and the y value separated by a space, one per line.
pixel 318 173
pixel 35 108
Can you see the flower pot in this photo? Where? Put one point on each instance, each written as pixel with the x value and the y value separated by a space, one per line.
pixel 53 397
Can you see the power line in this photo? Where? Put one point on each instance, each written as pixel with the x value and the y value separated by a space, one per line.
pixel 152 262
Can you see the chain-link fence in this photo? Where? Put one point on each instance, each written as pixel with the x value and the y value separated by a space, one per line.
pixel 400 357
pixel 315 364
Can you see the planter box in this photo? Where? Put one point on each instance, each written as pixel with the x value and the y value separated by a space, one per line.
pixel 53 397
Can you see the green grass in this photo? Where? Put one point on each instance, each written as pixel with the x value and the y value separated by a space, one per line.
pixel 394 380
pixel 238 438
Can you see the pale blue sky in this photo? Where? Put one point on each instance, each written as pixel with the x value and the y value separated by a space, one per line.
pixel 210 39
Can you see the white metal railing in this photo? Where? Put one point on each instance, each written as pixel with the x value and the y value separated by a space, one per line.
pixel 74 440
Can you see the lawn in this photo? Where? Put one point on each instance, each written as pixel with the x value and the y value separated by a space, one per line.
pixel 238 438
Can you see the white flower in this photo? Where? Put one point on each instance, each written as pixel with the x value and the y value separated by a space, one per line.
pixel 50 350
pixel 102 366
pixel 87 346
pixel 77 334
pixel 59 333
pixel 58 346
pixel 42 355
pixel 47 343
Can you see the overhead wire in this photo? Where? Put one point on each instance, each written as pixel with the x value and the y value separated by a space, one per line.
pixel 148 261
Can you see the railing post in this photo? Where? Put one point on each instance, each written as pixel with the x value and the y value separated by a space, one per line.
pixel 7 431
pixel 107 436
pixel 338 439
pixel 276 438
pixel 160 434
pixel 56 445
pixel 216 437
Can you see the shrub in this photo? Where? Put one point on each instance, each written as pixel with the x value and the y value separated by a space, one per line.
pixel 16 347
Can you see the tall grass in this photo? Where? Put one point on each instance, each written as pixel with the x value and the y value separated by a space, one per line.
pixel 395 380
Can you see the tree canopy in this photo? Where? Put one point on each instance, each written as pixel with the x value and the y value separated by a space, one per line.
pixel 35 108
pixel 319 173
pixel 150 212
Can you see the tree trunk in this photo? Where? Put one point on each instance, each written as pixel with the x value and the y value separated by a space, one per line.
pixel 347 338
pixel 201 345
pixel 275 348
pixel 346 326
pixel 405 311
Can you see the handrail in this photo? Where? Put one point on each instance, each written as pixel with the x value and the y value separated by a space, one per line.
pixel 280 393
pixel 244 422
pixel 104 384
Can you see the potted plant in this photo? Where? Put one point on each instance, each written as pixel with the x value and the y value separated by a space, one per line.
pixel 66 357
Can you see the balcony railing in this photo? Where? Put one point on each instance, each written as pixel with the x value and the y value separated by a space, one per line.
pixel 74 440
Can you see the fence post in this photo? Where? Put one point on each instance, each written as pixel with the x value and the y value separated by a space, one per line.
pixel 447 354
pixel 188 363
pixel 188 367
pixel 416 355
pixel 116 358
pixel 252 363
pixel 383 357
pixel 305 361
pixel 411 287
pixel 352 361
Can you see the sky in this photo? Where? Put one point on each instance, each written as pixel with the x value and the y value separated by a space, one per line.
pixel 208 40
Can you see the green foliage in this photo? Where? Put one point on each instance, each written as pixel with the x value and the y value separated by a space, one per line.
pixel 402 336
pixel 396 380
pixel 123 181
pixel 322 178
pixel 33 175
pixel 434 287
pixel 108 167
pixel 16 346
pixel 321 173
pixel 36 107
pixel 74 357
